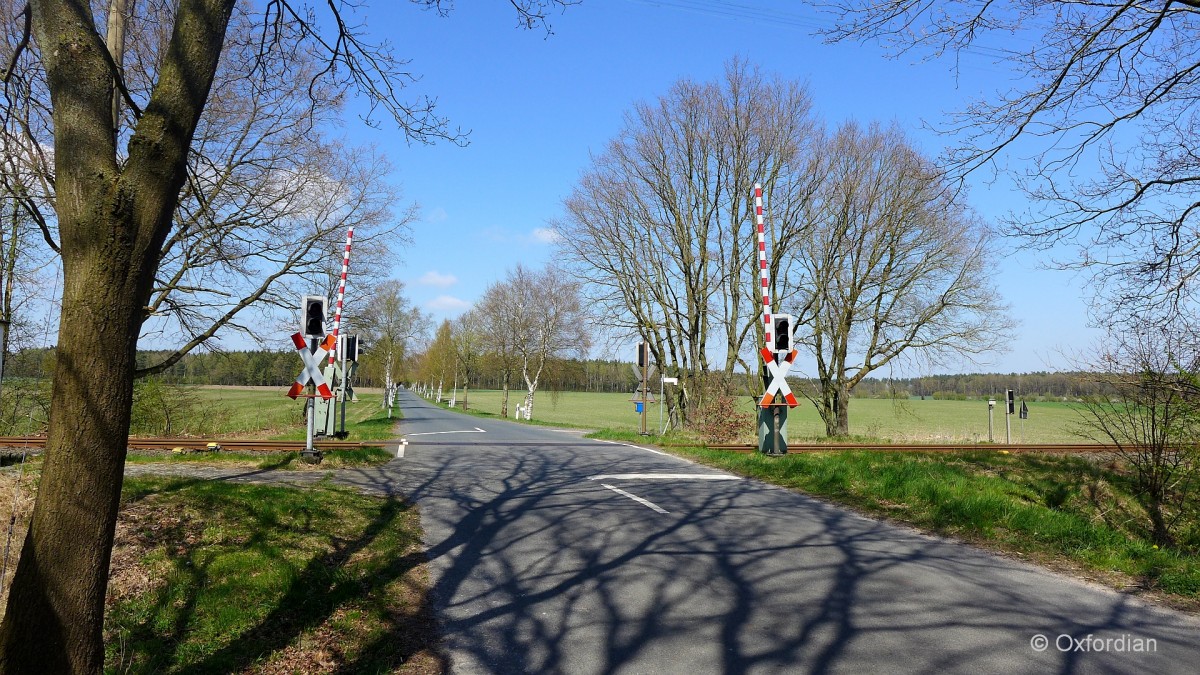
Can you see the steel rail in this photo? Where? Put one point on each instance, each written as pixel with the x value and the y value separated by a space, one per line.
pixel 202 443
pixel 1081 448
pixel 284 446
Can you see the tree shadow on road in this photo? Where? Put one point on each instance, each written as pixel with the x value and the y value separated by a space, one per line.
pixel 538 569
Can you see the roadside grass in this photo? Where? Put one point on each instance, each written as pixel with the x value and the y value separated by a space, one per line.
pixel 332 459
pixel 217 577
pixel 366 420
pixel 1051 508
pixel 901 421
pixel 268 413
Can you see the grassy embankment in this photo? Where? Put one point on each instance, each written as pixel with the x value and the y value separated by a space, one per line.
pixel 1069 512
pixel 213 577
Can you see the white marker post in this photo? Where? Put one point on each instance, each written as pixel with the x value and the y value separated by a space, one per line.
pixel 662 428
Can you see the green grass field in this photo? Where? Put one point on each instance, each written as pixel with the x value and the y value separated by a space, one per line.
pixel 900 421
pixel 268 413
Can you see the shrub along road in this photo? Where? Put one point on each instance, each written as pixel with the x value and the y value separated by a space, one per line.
pixel 551 553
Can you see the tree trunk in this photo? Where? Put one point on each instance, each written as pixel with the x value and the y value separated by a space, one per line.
pixel 504 401
pixel 531 387
pixel 842 410
pixel 56 606
pixel 112 222
pixel 387 377
pixel 835 409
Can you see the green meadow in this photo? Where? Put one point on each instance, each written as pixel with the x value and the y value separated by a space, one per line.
pixel 912 420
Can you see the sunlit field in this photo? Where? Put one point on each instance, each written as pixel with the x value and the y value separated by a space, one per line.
pixel 912 420
pixel 265 412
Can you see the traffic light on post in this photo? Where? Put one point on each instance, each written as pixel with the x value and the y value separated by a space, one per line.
pixel 1012 404
pixel 313 319
pixel 782 328
pixel 643 354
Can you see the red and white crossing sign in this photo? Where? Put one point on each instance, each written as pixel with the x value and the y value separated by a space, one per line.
pixel 312 366
pixel 778 382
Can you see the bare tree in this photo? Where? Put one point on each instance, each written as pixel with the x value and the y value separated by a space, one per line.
pixel 495 318
pixel 1153 419
pixel 390 324
pixel 116 192
pixel 1106 99
pixel 540 316
pixel 894 264
pixel 661 227
pixel 469 342
pixel 438 361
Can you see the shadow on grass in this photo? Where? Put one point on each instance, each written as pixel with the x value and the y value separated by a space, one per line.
pixel 355 573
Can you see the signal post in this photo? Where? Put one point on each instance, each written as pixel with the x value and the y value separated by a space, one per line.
pixel 778 355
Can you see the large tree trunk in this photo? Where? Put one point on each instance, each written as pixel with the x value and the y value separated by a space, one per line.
pixel 504 400
pixel 56 606
pixel 835 408
pixel 112 223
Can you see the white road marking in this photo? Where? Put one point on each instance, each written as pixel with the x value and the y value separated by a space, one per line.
pixel 657 452
pixel 665 476
pixel 464 431
pixel 643 502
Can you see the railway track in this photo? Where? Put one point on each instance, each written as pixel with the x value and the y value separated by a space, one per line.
pixel 1081 448
pixel 39 442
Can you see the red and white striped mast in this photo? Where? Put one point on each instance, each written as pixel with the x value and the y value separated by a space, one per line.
pixel 337 316
pixel 762 264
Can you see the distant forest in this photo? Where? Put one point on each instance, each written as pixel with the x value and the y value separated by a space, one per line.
pixel 279 368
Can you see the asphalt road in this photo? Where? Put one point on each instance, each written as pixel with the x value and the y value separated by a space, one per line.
pixel 551 553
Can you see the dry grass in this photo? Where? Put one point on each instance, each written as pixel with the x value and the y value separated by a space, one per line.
pixel 17 491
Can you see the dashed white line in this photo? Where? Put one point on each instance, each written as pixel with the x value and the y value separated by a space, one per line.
pixel 643 502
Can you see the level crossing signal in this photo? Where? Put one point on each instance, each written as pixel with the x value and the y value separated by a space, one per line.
pixel 351 347
pixel 313 319
pixel 783 329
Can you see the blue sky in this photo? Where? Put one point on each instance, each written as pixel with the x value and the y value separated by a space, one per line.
pixel 536 106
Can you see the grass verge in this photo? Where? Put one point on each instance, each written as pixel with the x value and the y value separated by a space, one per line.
pixel 1066 512
pixel 215 577
pixel 332 459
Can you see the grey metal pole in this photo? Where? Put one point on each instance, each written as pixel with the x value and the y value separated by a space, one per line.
pixel 991 407
pixel 308 443
pixel 342 430
pixel 645 385
pixel 661 386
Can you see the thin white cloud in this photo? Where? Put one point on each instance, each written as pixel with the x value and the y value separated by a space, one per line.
pixel 436 215
pixel 447 303
pixel 435 278
pixel 545 235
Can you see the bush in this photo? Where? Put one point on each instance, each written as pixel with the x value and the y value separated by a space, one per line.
pixel 716 418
